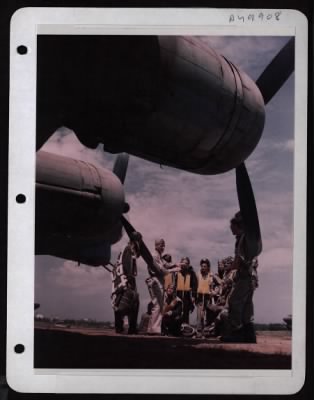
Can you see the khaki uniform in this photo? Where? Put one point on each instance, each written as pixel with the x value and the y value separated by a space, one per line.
pixel 155 284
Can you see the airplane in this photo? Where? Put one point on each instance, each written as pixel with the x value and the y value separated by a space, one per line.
pixel 171 100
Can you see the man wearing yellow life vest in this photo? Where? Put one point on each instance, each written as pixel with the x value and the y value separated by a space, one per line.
pixel 169 278
pixel 203 297
pixel 186 285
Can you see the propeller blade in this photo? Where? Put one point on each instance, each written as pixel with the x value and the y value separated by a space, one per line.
pixel 248 211
pixel 120 166
pixel 277 72
pixel 145 253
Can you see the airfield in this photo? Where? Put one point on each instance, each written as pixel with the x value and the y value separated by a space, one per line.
pixel 77 347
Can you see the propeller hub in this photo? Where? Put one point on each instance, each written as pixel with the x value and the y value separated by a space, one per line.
pixel 126 208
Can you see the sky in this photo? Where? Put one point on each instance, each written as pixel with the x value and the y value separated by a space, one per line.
pixel 192 212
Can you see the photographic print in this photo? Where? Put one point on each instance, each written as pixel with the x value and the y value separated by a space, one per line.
pixel 173 100
pixel 164 203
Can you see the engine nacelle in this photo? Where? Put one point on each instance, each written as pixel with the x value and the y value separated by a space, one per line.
pixel 209 117
pixel 78 208
pixel 167 99
pixel 218 109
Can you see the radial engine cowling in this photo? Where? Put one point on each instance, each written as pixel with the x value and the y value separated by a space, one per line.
pixel 211 115
pixel 169 99
pixel 78 208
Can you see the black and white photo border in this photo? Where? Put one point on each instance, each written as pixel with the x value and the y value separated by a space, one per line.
pixel 26 24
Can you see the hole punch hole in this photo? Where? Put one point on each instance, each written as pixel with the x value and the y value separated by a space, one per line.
pixel 20 198
pixel 22 49
pixel 19 348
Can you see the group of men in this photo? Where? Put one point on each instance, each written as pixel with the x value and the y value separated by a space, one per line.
pixel 223 300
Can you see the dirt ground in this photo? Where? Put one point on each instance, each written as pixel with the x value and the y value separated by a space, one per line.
pixel 61 347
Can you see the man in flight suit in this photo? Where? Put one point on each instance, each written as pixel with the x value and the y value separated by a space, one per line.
pixel 240 312
pixel 125 298
pixel 203 297
pixel 186 285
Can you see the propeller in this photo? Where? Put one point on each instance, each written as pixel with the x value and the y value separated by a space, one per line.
pixel 130 230
pixel 120 166
pixel 269 83
pixel 248 212
pixel 120 169
pixel 277 72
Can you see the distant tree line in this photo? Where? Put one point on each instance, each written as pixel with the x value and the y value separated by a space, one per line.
pixel 75 322
pixel 271 327
pixel 86 322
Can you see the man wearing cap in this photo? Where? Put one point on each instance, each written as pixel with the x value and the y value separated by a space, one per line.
pixel 155 283
pixel 125 298
pixel 172 313
pixel 240 301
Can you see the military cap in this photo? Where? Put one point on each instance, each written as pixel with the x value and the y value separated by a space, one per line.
pixel 159 241
pixel 135 236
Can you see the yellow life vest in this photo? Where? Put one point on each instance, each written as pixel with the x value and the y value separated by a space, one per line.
pixel 204 284
pixel 184 282
pixel 168 280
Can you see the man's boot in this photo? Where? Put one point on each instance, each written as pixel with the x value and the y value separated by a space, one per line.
pixel 234 337
pixel 249 333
